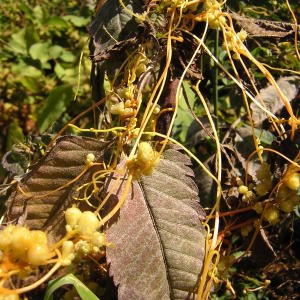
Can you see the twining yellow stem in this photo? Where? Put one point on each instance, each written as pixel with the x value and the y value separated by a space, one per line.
pixel 72 121
pixel 270 150
pixel 273 82
pixel 213 270
pixel 120 202
pixel 258 227
pixel 243 91
pixel 79 76
pixel 123 66
pixel 205 265
pixel 204 285
pixel 137 16
pixel 212 247
pixel 113 129
pixel 188 152
pixel 295 29
pixel 218 145
pixel 181 7
pixel 111 190
pixel 67 237
pixel 178 88
pixel 233 212
pixel 258 96
pixel 281 69
pixel 158 87
pixel 211 252
pixel 86 168
pixel 238 83
pixel 4 291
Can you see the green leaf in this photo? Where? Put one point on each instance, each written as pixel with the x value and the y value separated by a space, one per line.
pixel 67 56
pixel 15 135
pixel 69 73
pixel 261 51
pixel 64 74
pixel 84 292
pixel 22 69
pixel 190 94
pixel 159 241
pixel 40 51
pixel 250 296
pixel 265 136
pixel 106 84
pixel 55 51
pixel 38 13
pixel 16 161
pixel 57 22
pixel 18 41
pixel 31 36
pixel 27 10
pixel 56 104
pixel 59 71
pixel 117 21
pixel 184 117
pixel 30 83
pixel 77 21
pixel 46 65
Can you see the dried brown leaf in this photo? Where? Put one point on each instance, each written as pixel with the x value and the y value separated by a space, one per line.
pixel 264 28
pixel 289 86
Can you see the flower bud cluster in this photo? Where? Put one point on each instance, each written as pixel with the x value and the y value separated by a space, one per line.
pixel 23 245
pixel 90 240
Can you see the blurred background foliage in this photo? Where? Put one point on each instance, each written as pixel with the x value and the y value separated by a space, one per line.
pixel 42 43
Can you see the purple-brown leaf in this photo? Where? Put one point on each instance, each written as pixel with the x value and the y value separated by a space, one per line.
pixel 39 201
pixel 158 241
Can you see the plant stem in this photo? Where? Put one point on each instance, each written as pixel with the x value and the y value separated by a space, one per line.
pixel 215 81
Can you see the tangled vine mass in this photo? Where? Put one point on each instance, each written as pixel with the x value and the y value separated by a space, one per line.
pixel 184 113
